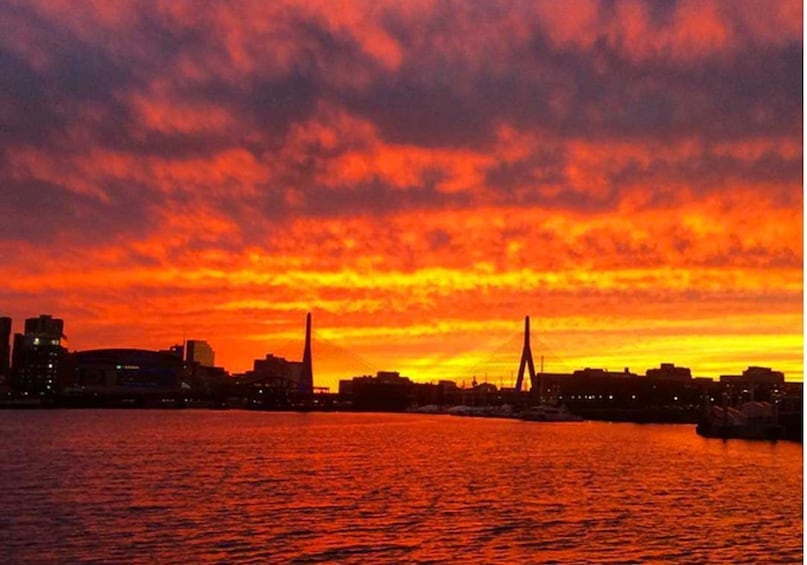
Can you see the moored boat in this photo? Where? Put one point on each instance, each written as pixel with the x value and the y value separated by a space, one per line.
pixel 549 413
pixel 753 420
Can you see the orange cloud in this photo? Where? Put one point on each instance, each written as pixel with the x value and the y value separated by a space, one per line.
pixel 420 175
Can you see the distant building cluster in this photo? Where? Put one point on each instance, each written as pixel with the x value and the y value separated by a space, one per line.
pixel 587 390
pixel 275 382
pixel 39 366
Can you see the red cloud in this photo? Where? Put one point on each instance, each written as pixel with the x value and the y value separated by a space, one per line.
pixel 420 174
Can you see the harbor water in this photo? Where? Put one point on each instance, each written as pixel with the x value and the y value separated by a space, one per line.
pixel 189 486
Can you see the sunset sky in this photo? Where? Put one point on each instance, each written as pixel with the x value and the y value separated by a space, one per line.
pixel 419 174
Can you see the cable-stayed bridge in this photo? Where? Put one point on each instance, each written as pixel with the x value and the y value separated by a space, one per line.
pixel 501 363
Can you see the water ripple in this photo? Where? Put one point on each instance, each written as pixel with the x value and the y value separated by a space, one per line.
pixel 211 487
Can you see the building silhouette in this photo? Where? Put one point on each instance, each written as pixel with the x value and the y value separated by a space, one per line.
pixel 276 372
pixel 45 326
pixel 198 351
pixel 277 383
pixel 177 350
pixel 387 391
pixel 116 372
pixel 755 375
pixel 5 349
pixel 668 371
pixel 38 357
pixel 590 373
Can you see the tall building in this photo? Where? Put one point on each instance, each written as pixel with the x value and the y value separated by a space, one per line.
pixel 38 356
pixel 45 326
pixel 200 352
pixel 5 348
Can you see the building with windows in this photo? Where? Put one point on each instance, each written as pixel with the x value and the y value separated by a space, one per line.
pixel 45 325
pixel 134 372
pixel 37 361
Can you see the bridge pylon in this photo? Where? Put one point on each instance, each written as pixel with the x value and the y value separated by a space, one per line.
pixel 526 359
pixel 306 383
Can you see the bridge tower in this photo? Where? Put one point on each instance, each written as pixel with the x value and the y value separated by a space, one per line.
pixel 526 358
pixel 306 385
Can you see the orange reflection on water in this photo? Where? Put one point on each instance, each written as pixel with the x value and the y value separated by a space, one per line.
pixel 207 486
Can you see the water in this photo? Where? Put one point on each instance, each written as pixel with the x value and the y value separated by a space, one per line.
pixel 205 486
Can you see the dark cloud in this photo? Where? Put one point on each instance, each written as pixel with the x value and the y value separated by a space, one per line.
pixel 439 96
pixel 710 172
pixel 596 93
pixel 26 116
pixel 45 213
pixel 376 198
pixel 434 98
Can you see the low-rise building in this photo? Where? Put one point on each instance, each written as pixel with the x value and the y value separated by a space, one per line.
pixel 115 372
pixel 755 375
pixel 669 372
pixel 387 391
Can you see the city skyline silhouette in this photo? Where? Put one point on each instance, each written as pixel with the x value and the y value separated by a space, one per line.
pixel 47 329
